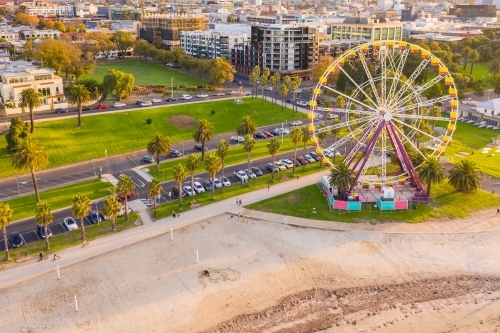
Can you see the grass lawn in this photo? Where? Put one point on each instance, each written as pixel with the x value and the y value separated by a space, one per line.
pixel 481 71
pixel 127 131
pixel 68 239
pixel 448 204
pixel 24 207
pixel 145 73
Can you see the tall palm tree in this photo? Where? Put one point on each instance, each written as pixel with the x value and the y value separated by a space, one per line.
pixel 473 57
pixel 296 136
pixel 464 176
pixel 276 82
pixel 203 135
pixel 30 155
pixel 341 177
pixel 248 145
pixel 431 172
pixel 154 191
pixel 179 176
pixel 273 146
pixel 254 77
pixel 264 79
pixel 495 67
pixel 222 151
pixel 322 135
pixel 43 216
pixel 112 207
pixel 435 112
pixel 283 93
pixel 246 126
pixel 30 98
pixel 78 94
pixel 212 165
pixel 80 209
pixel 124 187
pixel 158 145
pixel 305 136
pixel 465 54
pixel 192 163
pixel 5 218
pixel 294 87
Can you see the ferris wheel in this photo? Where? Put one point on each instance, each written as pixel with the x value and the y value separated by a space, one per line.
pixel 385 113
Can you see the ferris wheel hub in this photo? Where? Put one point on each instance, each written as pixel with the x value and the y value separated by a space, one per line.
pixel 388 116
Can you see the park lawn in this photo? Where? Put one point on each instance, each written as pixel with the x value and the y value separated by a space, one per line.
pixel 61 197
pixel 123 132
pixel 481 71
pixel 447 203
pixel 69 239
pixel 145 73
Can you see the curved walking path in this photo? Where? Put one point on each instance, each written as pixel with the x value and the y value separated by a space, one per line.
pixel 481 222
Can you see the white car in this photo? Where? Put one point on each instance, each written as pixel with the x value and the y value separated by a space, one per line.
pixel 146 103
pixel 296 123
pixel 279 165
pixel 309 158
pixel 250 174
pixel 237 138
pixel 70 223
pixel 202 95
pixel 225 181
pixel 217 183
pixel 198 187
pixel 282 130
pixel 287 163
pixel 186 96
pixel 189 191
pixel 156 100
pixel 331 153
pixel 122 212
pixel 219 94
pixel 241 175
pixel 232 92
pixel 269 89
pixel 119 105
pixel 246 92
pixel 331 116
pixel 299 91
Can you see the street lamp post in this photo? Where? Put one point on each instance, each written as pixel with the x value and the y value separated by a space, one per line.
pixel 18 189
pixel 172 86
pixel 93 161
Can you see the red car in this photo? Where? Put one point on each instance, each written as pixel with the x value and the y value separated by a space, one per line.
pixel 121 197
pixel 269 134
pixel 302 161
pixel 102 106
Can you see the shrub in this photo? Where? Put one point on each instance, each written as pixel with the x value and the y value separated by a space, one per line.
pixel 159 90
pixel 149 121
pixel 212 112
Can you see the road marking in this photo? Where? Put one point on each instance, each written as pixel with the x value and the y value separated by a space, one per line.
pixel 132 161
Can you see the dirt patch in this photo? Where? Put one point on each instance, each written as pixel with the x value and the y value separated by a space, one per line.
pixel 182 121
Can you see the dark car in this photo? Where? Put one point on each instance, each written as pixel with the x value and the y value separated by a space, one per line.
pixel 61 110
pixel 94 217
pixel 302 161
pixel 270 167
pixel 260 135
pixel 16 240
pixel 198 147
pixel 148 159
pixel 139 102
pixel 170 99
pixel 175 192
pixel 257 171
pixel 121 197
pixel 41 232
pixel 175 153
pixel 86 108
pixel 207 184
pixel 274 133
pixel 315 156
pixel 269 134
pixel 289 100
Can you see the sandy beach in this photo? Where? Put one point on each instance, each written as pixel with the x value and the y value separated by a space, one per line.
pixel 266 277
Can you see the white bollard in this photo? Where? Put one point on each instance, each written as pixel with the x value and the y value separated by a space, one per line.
pixel 58 273
pixel 171 234
pixel 286 221
pixel 197 257
pixel 76 304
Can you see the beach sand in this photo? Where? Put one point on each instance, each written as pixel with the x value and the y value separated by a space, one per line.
pixel 266 277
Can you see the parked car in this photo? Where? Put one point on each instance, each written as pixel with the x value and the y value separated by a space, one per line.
pixel 121 197
pixel 175 192
pixel 156 100
pixel 289 100
pixel 260 135
pixel 315 156
pixel 86 107
pixel 70 223
pixel 233 92
pixel 301 160
pixel 102 106
pixel 246 92
pixel 271 167
pixel 202 95
pixel 219 94
pixel 280 165
pixel 268 88
pixel 299 91
pixel 257 171
pixel 331 116
pixel 309 159
pixel 250 174
pixel 275 133
pixel 287 163
pixel 175 153
pixel 94 217
pixel 296 123
pixel 217 183
pixel 61 110
pixel 139 102
pixel 198 188
pixel 269 134
pixel 188 190
pixel 207 184
pixel 16 240
pixel 41 232
pixel 186 96
pixel 146 103
pixel 148 159
pixel 331 152
pixel 281 130
pixel 237 138
pixel 198 147
pixel 225 181
pixel 241 175
pixel 119 105
pixel 170 99
pixel 122 212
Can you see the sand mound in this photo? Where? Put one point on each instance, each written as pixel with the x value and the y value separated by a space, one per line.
pixel 182 121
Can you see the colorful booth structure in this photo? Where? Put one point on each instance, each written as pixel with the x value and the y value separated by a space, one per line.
pixel 388 202
pixel 352 204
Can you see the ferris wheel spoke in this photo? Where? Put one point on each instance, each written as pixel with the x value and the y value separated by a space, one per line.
pixel 370 130
pixel 350 98
pixel 397 73
pixel 350 136
pixel 370 78
pixel 343 124
pixel 419 117
pixel 414 128
pixel 416 92
pixel 357 86
pixel 362 112
pixel 409 141
pixel 383 74
pixel 420 68
pixel 429 102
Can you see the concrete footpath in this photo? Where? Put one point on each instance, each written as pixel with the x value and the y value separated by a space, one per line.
pixel 150 229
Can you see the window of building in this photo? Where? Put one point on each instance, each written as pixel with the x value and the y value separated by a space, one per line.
pixel 43 77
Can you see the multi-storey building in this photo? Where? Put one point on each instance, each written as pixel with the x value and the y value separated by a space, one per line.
pixel 278 19
pixel 19 75
pixel 26 34
pixel 166 27
pixel 47 9
pixel 367 29
pixel 209 44
pixel 286 49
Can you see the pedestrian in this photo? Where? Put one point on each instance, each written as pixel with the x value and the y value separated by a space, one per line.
pixel 498 211
pixel 268 187
pixel 173 214
pixel 237 201
pixel 240 202
pixel 297 177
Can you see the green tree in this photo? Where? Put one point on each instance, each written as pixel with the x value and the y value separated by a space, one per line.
pixel 222 151
pixel 93 87
pixel 431 172
pixel 322 135
pixel 283 93
pixel 248 145
pixel 254 77
pixel 5 218
pixel 496 85
pixel 192 163
pixel 305 136
pixel 30 155
pixel 117 84
pixel 80 209
pixel 473 57
pixel 495 67
pixel 78 94
pixel 465 176
pixel 43 217
pixel 341 177
pixel 123 40
pixel 274 81
pixel 435 112
pixel 179 176
pixel 30 98
pixel 221 71
pixel 294 87
pixel 124 187
pixel 478 88
pixel 273 146
pixel 212 165
pixel 158 145
pixel 18 131
pixel 58 25
pixel 340 103
pixel 246 126
pixel 154 191
pixel 264 79
pixel 203 135
pixel 141 48
pixel 296 135
pixel 111 208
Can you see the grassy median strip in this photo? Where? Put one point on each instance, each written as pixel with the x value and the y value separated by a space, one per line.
pixel 69 239
pixel 61 197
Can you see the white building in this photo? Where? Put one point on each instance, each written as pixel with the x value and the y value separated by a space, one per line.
pixel 83 10
pixel 209 44
pixel 46 9
pixel 19 75
pixel 9 35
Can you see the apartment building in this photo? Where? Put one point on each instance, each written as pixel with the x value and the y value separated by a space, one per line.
pixel 367 29
pixel 266 19
pixel 9 35
pixel 47 9
pixel 35 33
pixel 19 75
pixel 209 44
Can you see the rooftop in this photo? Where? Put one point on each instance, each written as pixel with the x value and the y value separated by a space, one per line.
pixel 493 104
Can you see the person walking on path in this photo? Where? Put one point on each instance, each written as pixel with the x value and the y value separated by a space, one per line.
pixel 237 202
pixel 173 214
pixel 268 187
pixel 240 202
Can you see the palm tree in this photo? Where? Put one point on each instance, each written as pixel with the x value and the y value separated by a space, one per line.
pixel 264 78
pixel 157 146
pixel 431 172
pixel 124 187
pixel 246 126
pixel 340 103
pixel 305 136
pixel 193 161
pixel 465 54
pixel 30 155
pixel 222 151
pixel 78 94
pixel 296 136
pixel 435 112
pixel 30 98
pixel 5 218
pixel 283 92
pixel 203 135
pixel 80 209
pixel 322 135
pixel 248 145
pixel 179 176
pixel 473 57
pixel 43 216
pixel 154 191
pixel 212 165
pixel 112 207
pixel 276 80
pixel 273 146
pixel 341 177
pixel 254 77
pixel 495 67
pixel 294 87
pixel 465 176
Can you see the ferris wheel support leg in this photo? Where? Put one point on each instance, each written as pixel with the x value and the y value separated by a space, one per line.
pixel 352 153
